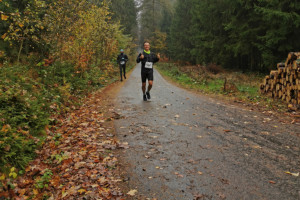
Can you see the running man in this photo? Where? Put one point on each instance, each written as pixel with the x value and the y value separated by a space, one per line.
pixel 148 59
pixel 122 59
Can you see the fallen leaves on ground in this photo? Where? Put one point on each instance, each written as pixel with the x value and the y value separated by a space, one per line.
pixel 77 161
pixel 293 174
pixel 200 173
pixel 272 182
pixel 201 196
pixel 179 175
pixel 132 192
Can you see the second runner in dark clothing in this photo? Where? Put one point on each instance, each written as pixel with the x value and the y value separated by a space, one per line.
pixel 122 59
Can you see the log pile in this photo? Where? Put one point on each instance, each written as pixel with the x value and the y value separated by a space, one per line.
pixel 284 83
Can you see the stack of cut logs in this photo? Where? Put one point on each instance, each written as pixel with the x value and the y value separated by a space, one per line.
pixel 284 83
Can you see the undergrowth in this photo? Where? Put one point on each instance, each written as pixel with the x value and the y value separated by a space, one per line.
pixel 211 79
pixel 30 96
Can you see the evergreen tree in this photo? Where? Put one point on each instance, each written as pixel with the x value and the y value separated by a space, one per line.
pixel 243 28
pixel 244 34
pixel 156 17
pixel 125 12
pixel 180 35
pixel 281 25
pixel 207 34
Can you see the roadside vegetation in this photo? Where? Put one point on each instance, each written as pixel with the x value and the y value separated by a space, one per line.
pixel 52 55
pixel 213 79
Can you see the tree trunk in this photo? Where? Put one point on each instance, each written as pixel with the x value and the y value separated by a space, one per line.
pixel 153 17
pixel 20 50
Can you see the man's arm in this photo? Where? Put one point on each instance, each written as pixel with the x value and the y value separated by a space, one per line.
pixel 156 58
pixel 138 59
pixel 126 58
pixel 118 59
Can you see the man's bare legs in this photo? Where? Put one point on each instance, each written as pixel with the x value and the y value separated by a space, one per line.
pixel 144 87
pixel 150 83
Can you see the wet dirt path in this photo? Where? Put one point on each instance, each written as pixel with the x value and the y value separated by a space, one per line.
pixel 187 146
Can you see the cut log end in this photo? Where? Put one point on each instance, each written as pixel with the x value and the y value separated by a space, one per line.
pixel 284 83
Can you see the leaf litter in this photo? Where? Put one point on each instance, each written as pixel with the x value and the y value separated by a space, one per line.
pixel 80 163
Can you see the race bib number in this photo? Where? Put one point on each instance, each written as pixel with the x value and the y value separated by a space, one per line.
pixel 122 62
pixel 149 65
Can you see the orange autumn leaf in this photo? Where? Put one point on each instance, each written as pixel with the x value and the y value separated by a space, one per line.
pixel 35 192
pixel 4 17
pixel 81 191
pixel 6 128
pixel 272 182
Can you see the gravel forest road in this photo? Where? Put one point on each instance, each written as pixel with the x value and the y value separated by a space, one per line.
pixel 189 146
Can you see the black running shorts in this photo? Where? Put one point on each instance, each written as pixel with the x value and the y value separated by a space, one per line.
pixel 147 75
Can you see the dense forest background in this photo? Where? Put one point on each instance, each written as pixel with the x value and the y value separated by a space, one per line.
pixel 236 34
pixel 246 35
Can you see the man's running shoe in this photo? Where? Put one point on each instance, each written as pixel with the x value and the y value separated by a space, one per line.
pixel 145 97
pixel 148 95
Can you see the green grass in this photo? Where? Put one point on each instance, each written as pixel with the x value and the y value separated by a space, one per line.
pixel 247 85
pixel 173 72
